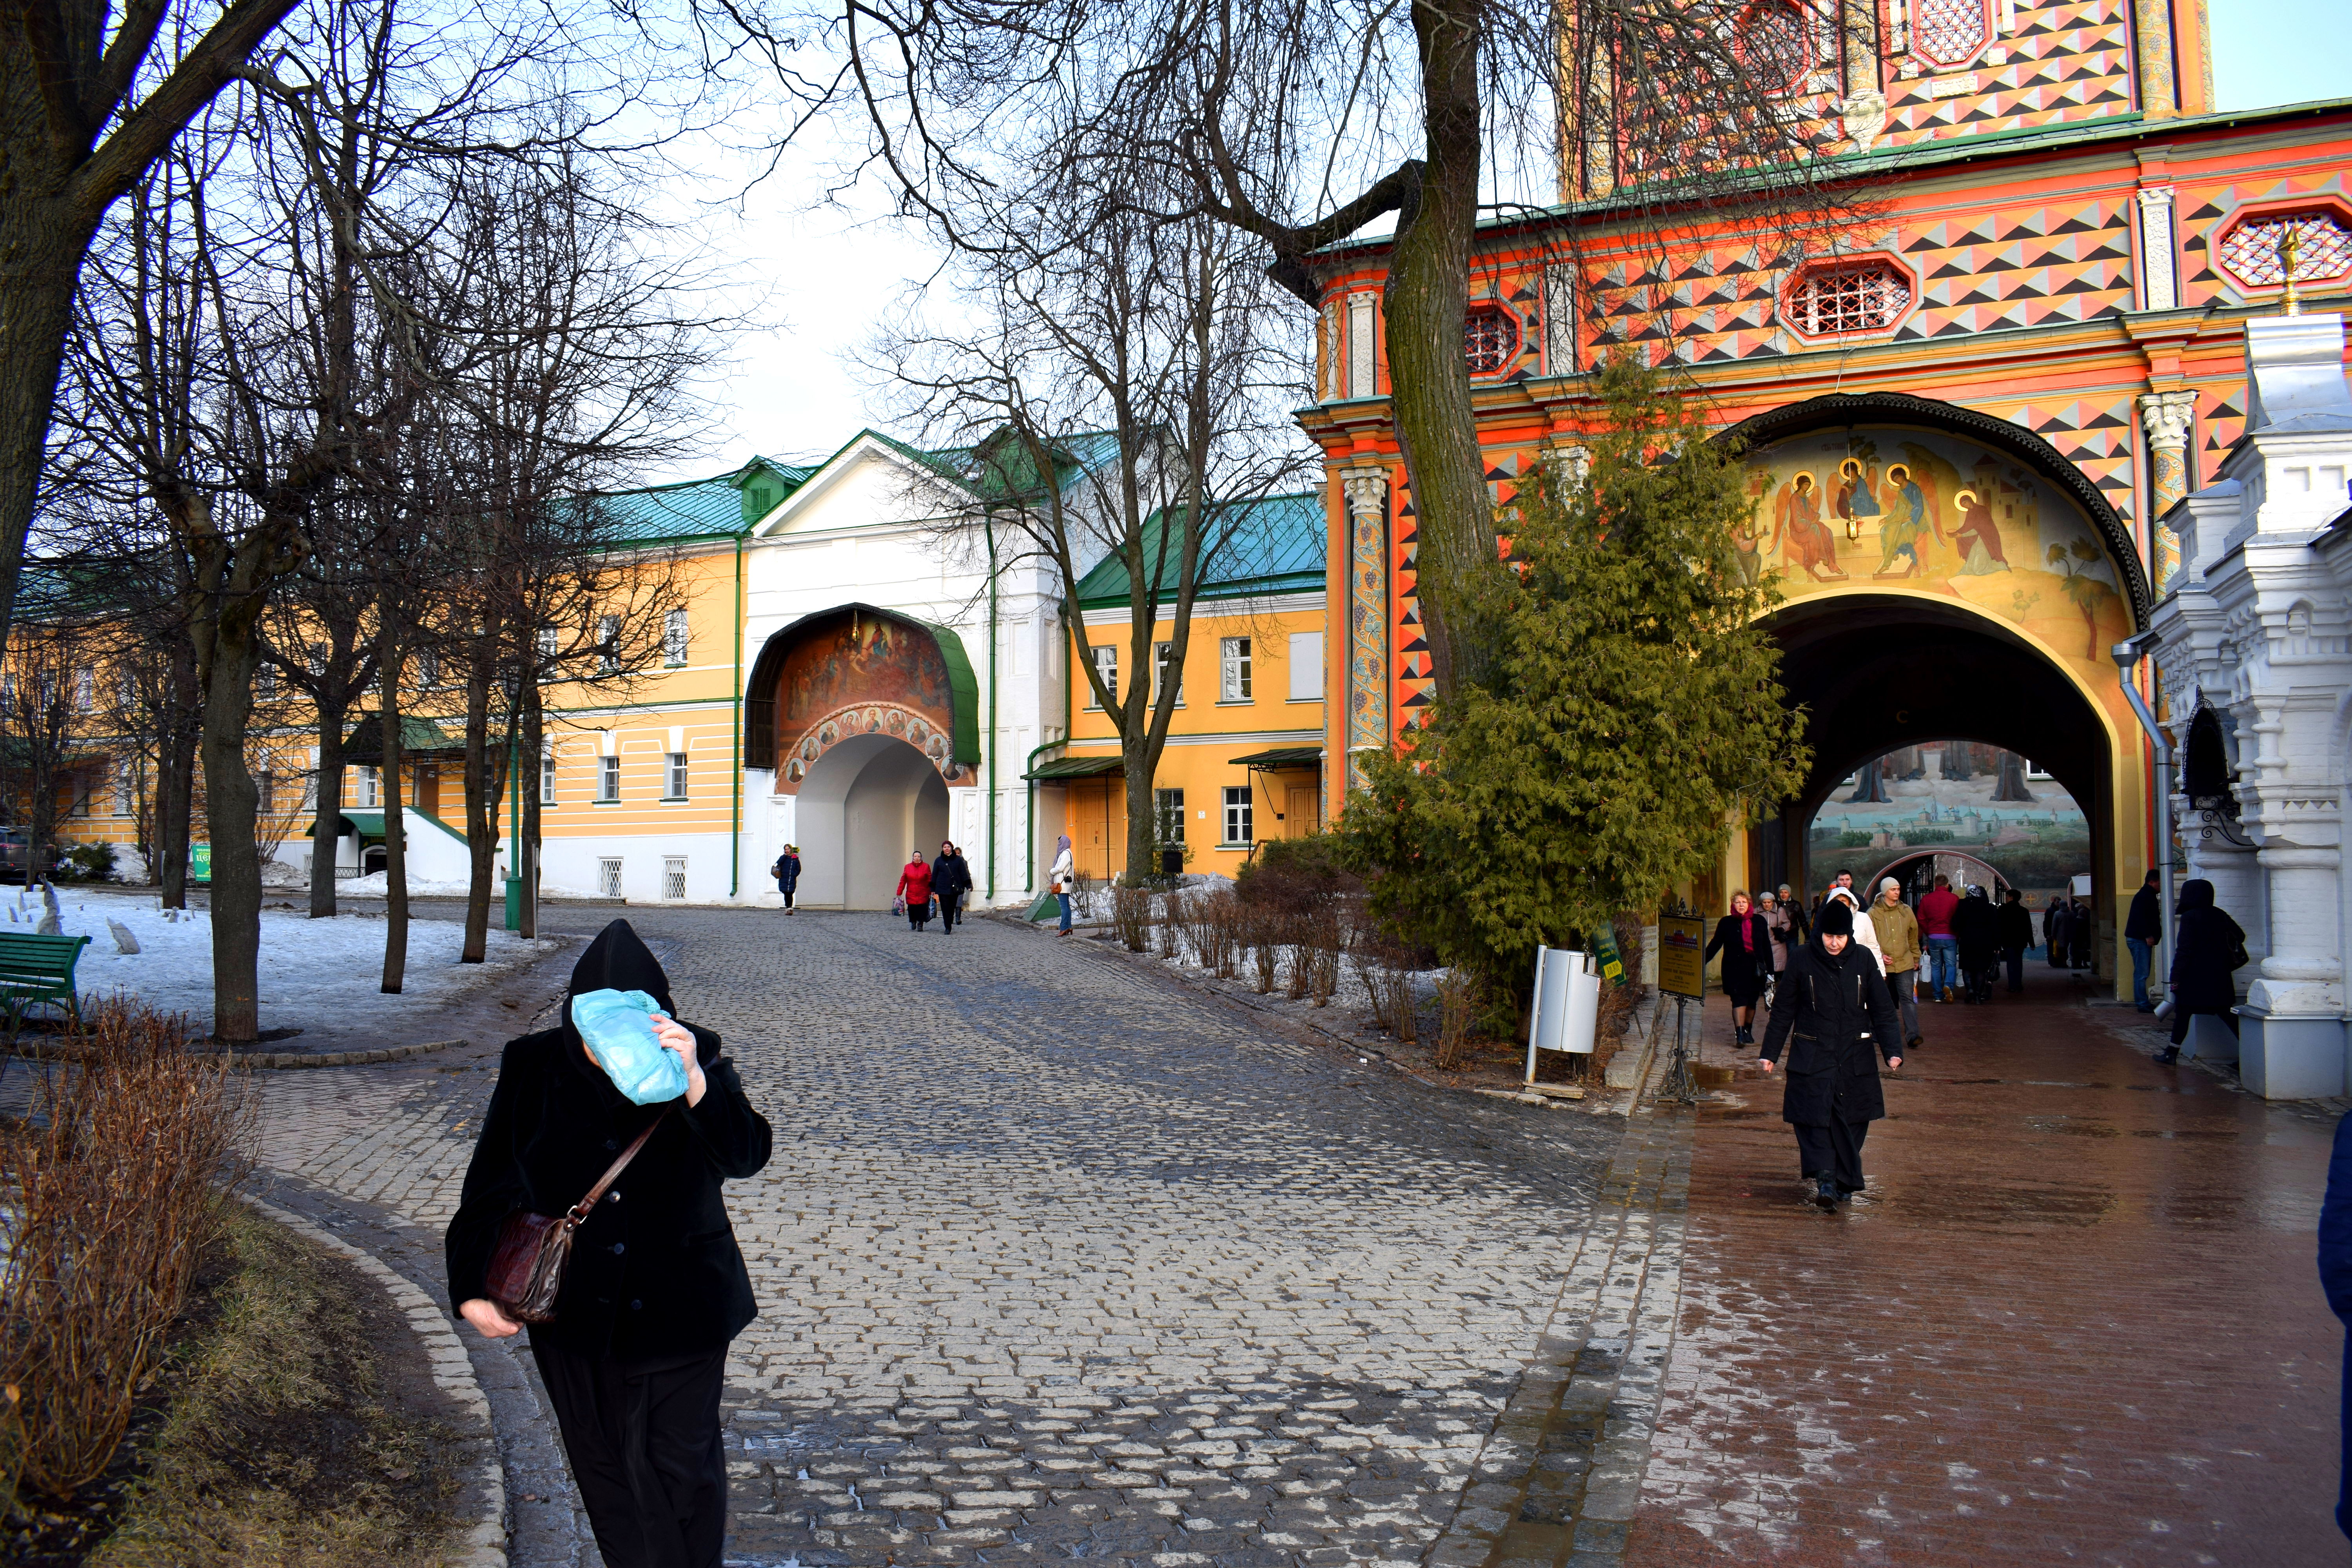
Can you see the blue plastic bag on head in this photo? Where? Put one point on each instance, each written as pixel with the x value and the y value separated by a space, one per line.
pixel 618 1028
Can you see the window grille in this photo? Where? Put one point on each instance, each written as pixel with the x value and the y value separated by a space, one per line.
pixel 547 778
pixel 551 642
pixel 674 876
pixel 608 778
pixel 1862 297
pixel 1237 814
pixel 1950 32
pixel 674 785
pixel 1772 45
pixel 2322 249
pixel 1233 670
pixel 608 879
pixel 1490 337
pixel 674 638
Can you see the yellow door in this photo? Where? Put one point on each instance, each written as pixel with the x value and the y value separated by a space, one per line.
pixel 1298 815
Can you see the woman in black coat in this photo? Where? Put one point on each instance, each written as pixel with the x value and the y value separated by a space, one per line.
pixel 951 880
pixel 635 1357
pixel 1744 939
pixel 2016 928
pixel 2208 947
pixel 1977 934
pixel 1834 1001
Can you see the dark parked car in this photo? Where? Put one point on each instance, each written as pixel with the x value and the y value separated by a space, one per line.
pixel 16 844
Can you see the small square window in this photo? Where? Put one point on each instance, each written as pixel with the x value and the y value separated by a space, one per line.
pixel 674 876
pixel 1849 297
pixel 1237 814
pixel 608 778
pixel 674 782
pixel 608 877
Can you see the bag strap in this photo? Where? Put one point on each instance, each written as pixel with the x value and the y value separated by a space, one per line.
pixel 579 1211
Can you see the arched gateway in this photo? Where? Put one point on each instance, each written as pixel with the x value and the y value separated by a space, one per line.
pixel 866 719
pixel 1946 575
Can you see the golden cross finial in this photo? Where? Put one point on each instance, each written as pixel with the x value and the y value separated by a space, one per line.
pixel 2290 247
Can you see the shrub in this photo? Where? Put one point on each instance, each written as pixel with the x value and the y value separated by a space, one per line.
pixel 1458 1005
pixel 1130 916
pixel 86 863
pixel 1171 926
pixel 1296 876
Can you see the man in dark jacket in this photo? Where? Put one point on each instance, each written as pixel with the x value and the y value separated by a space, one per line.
pixel 1977 932
pixel 2057 920
pixel 634 1359
pixel 2016 935
pixel 2143 929
pixel 1836 1003
pixel 951 880
pixel 2336 1278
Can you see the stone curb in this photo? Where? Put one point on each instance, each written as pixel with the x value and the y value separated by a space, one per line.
pixel 39 1050
pixel 485 1544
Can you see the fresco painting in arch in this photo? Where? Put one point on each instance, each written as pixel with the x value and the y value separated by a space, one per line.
pixel 864 675
pixel 1923 511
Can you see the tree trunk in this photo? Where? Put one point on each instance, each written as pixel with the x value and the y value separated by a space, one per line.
pixel 231 802
pixel 481 815
pixel 395 822
pixel 526 838
pixel 327 831
pixel 175 763
pixel 42 242
pixel 1427 300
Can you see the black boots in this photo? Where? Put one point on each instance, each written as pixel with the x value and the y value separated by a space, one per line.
pixel 1825 1193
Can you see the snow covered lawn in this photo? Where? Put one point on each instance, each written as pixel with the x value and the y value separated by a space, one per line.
pixel 315 975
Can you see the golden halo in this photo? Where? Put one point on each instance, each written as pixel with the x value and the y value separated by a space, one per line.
pixel 1903 468
pixel 1851 466
pixel 1964 498
pixel 1805 476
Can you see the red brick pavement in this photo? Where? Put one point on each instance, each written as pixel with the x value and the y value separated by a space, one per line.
pixel 2074 1319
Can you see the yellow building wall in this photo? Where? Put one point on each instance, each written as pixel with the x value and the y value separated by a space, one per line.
pixel 1205 734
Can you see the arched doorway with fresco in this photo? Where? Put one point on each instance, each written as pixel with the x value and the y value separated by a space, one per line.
pixel 865 719
pixel 1953 587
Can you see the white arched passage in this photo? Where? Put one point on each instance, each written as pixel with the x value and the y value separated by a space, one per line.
pixel 863 805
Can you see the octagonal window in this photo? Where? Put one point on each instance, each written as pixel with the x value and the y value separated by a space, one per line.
pixel 1867 296
pixel 1490 337
pixel 1950 32
pixel 2256 248
pixel 1773 46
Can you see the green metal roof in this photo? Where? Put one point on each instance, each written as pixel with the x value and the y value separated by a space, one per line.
pixel 1282 757
pixel 1076 768
pixel 1270 546
pixel 362 824
pixel 418 737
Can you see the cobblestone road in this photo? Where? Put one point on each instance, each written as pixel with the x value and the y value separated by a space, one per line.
pixel 1054 1261
pixel 2075 1320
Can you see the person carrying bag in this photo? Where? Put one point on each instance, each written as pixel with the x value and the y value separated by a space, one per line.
pixel 599 1222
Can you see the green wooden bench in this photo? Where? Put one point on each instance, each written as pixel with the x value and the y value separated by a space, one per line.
pixel 36 971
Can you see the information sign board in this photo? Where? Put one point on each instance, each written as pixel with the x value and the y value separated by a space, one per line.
pixel 1681 940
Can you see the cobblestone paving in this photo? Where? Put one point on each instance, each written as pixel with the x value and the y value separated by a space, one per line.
pixel 2076 1319
pixel 1056 1262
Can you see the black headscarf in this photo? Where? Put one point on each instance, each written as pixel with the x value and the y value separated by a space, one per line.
pixel 2195 893
pixel 618 960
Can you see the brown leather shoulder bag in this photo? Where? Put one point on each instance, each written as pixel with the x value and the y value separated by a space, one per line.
pixel 527 1264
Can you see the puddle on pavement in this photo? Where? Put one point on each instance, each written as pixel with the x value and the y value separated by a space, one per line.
pixel 1999 1207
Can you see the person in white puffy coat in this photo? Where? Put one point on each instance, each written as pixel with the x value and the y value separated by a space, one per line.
pixel 1063 878
pixel 1865 931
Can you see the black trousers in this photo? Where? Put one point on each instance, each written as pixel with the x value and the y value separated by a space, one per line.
pixel 2180 1017
pixel 787 893
pixel 2015 958
pixel 950 907
pixel 1834 1151
pixel 917 915
pixel 643 1442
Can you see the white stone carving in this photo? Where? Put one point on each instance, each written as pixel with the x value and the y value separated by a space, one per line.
pixel 2159 269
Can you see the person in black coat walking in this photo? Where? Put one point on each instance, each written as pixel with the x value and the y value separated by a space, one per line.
pixel 1977 932
pixel 2056 921
pixel 1834 1003
pixel 2016 929
pixel 2207 948
pixel 951 880
pixel 1744 939
pixel 787 873
pixel 2335 1280
pixel 634 1359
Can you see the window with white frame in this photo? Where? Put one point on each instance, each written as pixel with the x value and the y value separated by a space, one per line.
pixel 264 682
pixel 371 786
pixel 1306 666
pixel 608 643
pixel 1237 814
pixel 547 778
pixel 1164 668
pixel 551 642
pixel 1168 808
pixel 674 638
pixel 315 660
pixel 1107 666
pixel 674 876
pixel 608 778
pixel 1233 670
pixel 265 784
pixel 674 779
pixel 608 877
pixel 428 668
pixel 85 690
pixel 125 790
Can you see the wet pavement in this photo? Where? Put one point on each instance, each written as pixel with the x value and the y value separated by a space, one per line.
pixel 2074 1318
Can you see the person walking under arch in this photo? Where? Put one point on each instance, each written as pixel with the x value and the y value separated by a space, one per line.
pixel 2056 916
pixel 787 873
pixel 1864 931
pixel 1977 932
pixel 2016 933
pixel 2208 949
pixel 951 880
pixel 1775 920
pixel 1064 878
pixel 915 887
pixel 634 1359
pixel 2143 929
pixel 1834 1003
pixel 1898 952
pixel 1800 926
pixel 1943 948
pixel 1745 940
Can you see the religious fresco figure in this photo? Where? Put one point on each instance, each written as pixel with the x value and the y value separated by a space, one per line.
pixel 1857 495
pixel 1977 539
pixel 1746 537
pixel 1908 517
pixel 1797 516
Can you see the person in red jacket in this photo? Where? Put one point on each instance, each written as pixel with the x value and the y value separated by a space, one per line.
pixel 915 887
pixel 1943 947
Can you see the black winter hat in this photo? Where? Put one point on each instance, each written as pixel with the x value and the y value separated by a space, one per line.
pixel 1837 917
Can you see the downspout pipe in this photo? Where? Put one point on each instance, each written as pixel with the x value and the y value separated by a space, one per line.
pixel 988 527
pixel 735 771
pixel 2126 655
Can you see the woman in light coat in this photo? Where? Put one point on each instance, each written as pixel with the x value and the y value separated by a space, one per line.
pixel 1063 878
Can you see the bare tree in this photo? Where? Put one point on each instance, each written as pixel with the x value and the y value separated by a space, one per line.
pixel 47 696
pixel 1148 334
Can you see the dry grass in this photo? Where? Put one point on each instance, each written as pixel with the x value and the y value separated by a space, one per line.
pixel 1130 916
pixel 1458 1005
pixel 284 1445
